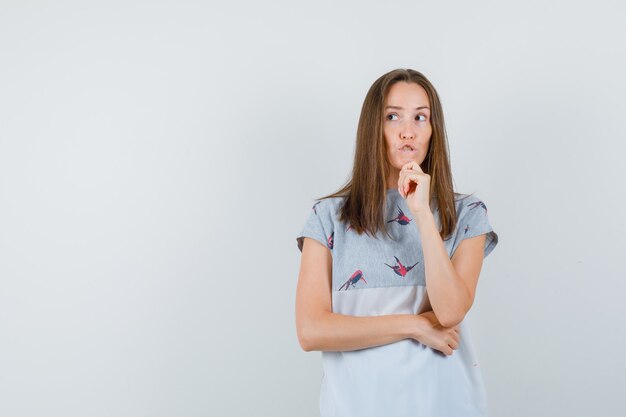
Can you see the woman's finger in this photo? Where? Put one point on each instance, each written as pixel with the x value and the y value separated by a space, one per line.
pixel 414 166
pixel 408 178
pixel 402 182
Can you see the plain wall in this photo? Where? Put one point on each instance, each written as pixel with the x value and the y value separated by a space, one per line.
pixel 158 159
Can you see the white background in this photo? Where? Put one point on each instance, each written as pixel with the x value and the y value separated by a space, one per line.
pixel 158 159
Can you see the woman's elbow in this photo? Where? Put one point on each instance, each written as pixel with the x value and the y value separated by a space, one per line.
pixel 451 321
pixel 305 345
pixel 306 336
pixel 311 331
pixel 452 318
pixel 307 341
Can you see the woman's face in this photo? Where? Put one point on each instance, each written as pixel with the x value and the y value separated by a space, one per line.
pixel 406 124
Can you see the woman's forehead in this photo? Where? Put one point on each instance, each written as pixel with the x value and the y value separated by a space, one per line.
pixel 403 95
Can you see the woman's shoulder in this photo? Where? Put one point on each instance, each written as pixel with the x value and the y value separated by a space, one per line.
pixel 331 200
pixel 465 202
pixel 328 204
pixel 462 198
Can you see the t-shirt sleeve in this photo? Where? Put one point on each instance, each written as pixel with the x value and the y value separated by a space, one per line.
pixel 318 225
pixel 474 222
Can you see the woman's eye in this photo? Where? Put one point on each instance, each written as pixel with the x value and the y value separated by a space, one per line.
pixel 422 115
pixel 390 115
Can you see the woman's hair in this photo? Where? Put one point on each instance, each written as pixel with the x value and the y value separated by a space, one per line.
pixel 364 207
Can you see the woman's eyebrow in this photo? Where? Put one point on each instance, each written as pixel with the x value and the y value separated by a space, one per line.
pixel 402 108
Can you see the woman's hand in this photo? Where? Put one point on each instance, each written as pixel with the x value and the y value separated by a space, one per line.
pixel 414 186
pixel 433 334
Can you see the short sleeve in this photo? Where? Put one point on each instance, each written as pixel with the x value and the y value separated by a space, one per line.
pixel 474 222
pixel 318 225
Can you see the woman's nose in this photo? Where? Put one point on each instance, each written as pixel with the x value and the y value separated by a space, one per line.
pixel 407 134
pixel 407 131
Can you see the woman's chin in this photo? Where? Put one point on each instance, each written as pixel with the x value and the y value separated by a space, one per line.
pixel 405 159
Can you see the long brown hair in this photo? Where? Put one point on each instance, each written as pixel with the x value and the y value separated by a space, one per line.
pixel 364 207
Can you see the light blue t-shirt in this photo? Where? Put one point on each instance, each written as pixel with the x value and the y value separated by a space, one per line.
pixel 379 276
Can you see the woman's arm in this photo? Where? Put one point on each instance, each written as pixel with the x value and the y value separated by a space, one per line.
pixel 339 332
pixel 320 329
pixel 452 282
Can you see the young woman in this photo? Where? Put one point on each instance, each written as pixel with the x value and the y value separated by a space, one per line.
pixel 390 265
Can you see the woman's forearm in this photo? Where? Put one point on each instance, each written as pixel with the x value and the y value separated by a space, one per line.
pixel 448 294
pixel 340 332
